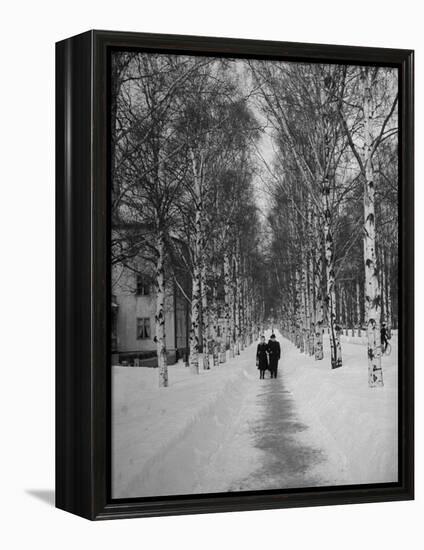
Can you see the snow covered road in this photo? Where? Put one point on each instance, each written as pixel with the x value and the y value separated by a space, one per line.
pixel 226 430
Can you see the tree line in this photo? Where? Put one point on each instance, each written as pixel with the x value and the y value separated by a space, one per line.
pixel 333 188
pixel 183 194
pixel 188 164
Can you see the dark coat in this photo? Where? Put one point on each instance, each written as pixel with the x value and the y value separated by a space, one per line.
pixel 274 351
pixel 261 356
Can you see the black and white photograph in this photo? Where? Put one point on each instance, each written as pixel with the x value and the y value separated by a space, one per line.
pixel 210 212
pixel 254 274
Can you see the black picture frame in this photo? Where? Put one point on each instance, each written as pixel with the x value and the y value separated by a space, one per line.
pixel 82 311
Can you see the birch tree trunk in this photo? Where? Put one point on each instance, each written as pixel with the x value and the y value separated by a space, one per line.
pixel 307 311
pixel 236 291
pixel 319 329
pixel 205 316
pixel 339 296
pixel 310 282
pixel 383 285
pixel 195 313
pixel 336 351
pixel 302 309
pixel 372 290
pixel 345 310
pixel 196 276
pixel 312 303
pixel 243 306
pixel 227 308
pixel 160 311
pixel 389 292
pixel 249 313
pixel 214 314
pixel 252 313
pixel 232 318
pixel 298 297
pixel 358 309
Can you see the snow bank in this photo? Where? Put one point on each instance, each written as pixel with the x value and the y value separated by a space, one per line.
pixel 164 441
pixel 356 423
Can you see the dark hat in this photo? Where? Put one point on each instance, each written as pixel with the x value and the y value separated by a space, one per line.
pixel 272 335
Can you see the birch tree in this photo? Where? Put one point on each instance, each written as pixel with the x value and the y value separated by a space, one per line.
pixel 297 100
pixel 147 159
pixel 213 123
pixel 377 106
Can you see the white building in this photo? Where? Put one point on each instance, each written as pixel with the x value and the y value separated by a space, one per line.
pixel 133 318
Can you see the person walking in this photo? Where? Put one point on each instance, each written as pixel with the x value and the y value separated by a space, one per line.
pixel 262 357
pixel 384 336
pixel 274 352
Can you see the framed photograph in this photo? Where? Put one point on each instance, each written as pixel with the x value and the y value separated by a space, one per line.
pixel 235 310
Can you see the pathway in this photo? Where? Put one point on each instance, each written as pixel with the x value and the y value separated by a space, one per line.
pixel 269 446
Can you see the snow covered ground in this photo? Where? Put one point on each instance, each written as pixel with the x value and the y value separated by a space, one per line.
pixel 226 430
pixel 350 420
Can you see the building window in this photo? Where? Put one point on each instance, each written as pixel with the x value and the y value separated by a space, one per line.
pixel 143 328
pixel 143 285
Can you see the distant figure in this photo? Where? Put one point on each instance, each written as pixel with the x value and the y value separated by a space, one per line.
pixel 274 352
pixel 384 336
pixel 262 357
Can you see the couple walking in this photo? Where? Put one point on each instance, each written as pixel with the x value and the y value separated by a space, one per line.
pixel 267 356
